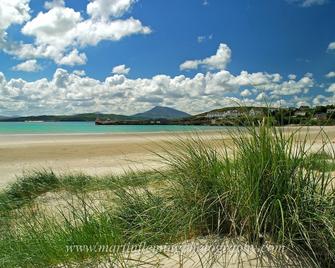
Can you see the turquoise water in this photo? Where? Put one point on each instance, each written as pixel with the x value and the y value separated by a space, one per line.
pixel 89 127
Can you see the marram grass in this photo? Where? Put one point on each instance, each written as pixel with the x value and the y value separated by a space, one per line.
pixel 261 186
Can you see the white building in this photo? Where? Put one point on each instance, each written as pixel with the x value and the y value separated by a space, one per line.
pixel 254 112
pixel 221 115
pixel 300 113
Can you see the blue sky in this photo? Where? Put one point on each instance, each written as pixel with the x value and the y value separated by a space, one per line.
pixel 285 47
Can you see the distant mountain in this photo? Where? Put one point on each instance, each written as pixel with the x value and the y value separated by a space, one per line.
pixel 157 112
pixel 162 112
pixel 88 117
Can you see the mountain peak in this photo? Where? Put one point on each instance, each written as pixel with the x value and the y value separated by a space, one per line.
pixel 162 112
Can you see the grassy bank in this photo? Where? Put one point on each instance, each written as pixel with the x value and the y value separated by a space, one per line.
pixel 264 187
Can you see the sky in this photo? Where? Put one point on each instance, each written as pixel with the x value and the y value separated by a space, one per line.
pixel 127 56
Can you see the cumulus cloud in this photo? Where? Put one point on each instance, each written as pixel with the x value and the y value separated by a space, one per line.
pixel 331 46
pixel 323 100
pixel 189 64
pixel 292 76
pixel 28 66
pixel 53 27
pixel 331 88
pixel 54 3
pixel 61 31
pixel 218 61
pixel 73 58
pixel 79 72
pixel 91 32
pixel 246 93
pixel 121 69
pixel 330 75
pixel 13 12
pixel 262 97
pixel 74 92
pixel 104 9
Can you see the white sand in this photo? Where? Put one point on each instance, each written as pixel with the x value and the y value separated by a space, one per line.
pixel 93 153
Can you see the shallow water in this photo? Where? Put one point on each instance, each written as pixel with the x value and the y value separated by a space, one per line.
pixel 90 127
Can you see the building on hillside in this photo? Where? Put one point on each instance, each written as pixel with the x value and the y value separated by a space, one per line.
pixel 330 111
pixel 321 116
pixel 216 115
pixel 234 113
pixel 225 114
pixel 300 113
pixel 254 112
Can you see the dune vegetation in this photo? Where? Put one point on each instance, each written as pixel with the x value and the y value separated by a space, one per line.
pixel 265 186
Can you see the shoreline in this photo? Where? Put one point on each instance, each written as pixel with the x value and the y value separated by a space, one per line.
pixel 114 133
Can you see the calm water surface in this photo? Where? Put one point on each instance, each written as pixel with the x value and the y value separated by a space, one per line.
pixel 90 127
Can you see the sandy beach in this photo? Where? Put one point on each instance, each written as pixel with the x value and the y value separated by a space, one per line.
pixel 94 154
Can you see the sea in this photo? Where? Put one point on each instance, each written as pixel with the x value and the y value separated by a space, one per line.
pixel 91 128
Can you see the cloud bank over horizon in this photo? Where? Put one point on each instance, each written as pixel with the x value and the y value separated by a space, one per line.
pixel 73 92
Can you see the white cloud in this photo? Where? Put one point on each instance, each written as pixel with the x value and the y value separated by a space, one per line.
pixel 331 46
pixel 331 88
pixel 189 64
pixel 73 58
pixel 13 12
pixel 79 72
pixel 54 3
pixel 120 69
pixel 75 92
pixel 28 66
pixel 60 32
pixel 91 32
pixel 309 3
pixel 323 100
pixel 330 75
pixel 218 61
pixel 292 76
pixel 54 27
pixel 262 97
pixel 201 38
pixel 104 9
pixel 258 79
pixel 245 93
